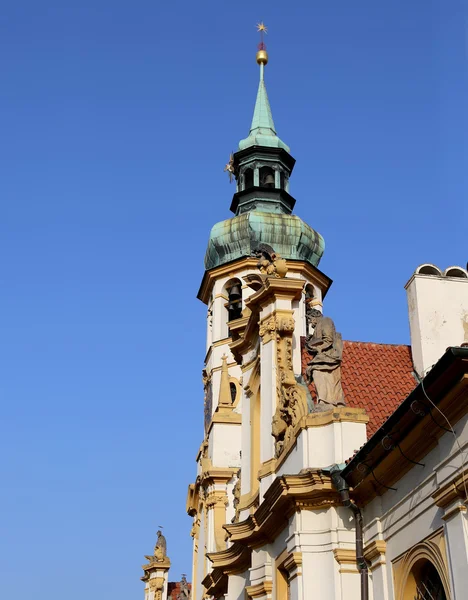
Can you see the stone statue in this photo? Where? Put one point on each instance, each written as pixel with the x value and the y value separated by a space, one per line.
pixel 326 347
pixel 184 593
pixel 229 168
pixel 160 549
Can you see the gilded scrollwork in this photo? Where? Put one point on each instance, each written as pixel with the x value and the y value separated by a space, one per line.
pixel 156 585
pixel 236 492
pixel 291 396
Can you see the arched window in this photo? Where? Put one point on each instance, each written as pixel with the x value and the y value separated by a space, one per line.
pixel 426 581
pixel 234 303
pixel 248 179
pixel 267 177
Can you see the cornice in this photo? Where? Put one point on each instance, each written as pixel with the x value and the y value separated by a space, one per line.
pixel 232 269
pixel 276 287
pixel 415 442
pixel 154 565
pixel 318 419
pixel 452 491
pixel 309 490
pixel 293 561
pixel 218 475
pixel 235 559
pixel 227 418
pixel 375 549
pixel 344 556
pixel 215 583
pixel 413 429
pixel 260 589
pixel 248 500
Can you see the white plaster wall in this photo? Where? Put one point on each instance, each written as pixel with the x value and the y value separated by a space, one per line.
pixel 320 447
pixel 226 445
pixel 268 378
pixel 438 316
pixel 200 565
pixel 236 586
pixel 408 515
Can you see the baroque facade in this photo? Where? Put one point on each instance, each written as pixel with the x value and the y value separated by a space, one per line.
pixel 328 469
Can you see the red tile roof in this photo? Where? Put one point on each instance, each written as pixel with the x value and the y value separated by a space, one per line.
pixel 377 377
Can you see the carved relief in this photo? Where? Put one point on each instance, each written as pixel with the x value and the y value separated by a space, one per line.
pixel 270 264
pixel 208 399
pixel 236 492
pixel 291 396
pixel 156 585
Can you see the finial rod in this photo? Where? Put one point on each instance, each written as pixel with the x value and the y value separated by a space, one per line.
pixel 262 54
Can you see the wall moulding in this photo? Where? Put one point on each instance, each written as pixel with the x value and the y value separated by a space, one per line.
pixel 319 419
pixel 248 500
pixel 301 268
pixel 432 549
pixel 232 560
pixel 374 553
pixel 310 490
pixel 452 491
pixel 346 558
pixel 264 588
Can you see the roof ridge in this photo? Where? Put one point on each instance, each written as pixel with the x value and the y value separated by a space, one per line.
pixel 377 343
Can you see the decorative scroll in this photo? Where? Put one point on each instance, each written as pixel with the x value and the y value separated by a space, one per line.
pixel 291 396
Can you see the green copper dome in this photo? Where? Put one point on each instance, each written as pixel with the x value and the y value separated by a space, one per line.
pixel 262 203
pixel 238 237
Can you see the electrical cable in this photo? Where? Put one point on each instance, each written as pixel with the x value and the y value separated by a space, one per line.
pixel 454 435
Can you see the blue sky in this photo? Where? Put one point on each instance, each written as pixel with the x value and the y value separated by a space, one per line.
pixel 117 119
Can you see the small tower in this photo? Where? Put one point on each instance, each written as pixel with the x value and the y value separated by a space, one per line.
pixel 241 367
pixel 156 571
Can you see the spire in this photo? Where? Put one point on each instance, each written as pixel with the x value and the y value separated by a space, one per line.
pixel 224 388
pixel 262 130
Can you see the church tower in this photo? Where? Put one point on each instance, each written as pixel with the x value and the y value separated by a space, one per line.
pixel 261 285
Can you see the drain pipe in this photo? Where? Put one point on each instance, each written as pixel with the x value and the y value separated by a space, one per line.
pixel 343 489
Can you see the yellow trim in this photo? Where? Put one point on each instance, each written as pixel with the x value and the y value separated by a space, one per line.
pixel 248 500
pixel 217 501
pixel 221 342
pixel 254 440
pixel 431 549
pixel 321 419
pixel 374 553
pixel 346 558
pixel 311 490
pixel 281 577
pixel 214 369
pixel 310 273
pixel 453 511
pixel 231 418
pixel 451 491
pixel 264 588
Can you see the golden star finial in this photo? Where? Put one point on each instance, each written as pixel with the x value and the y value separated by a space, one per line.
pixel 262 27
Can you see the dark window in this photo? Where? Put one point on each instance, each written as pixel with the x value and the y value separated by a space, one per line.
pixel 248 179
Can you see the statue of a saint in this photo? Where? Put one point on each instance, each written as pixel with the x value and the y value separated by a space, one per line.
pixel 184 589
pixel 160 549
pixel 326 347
